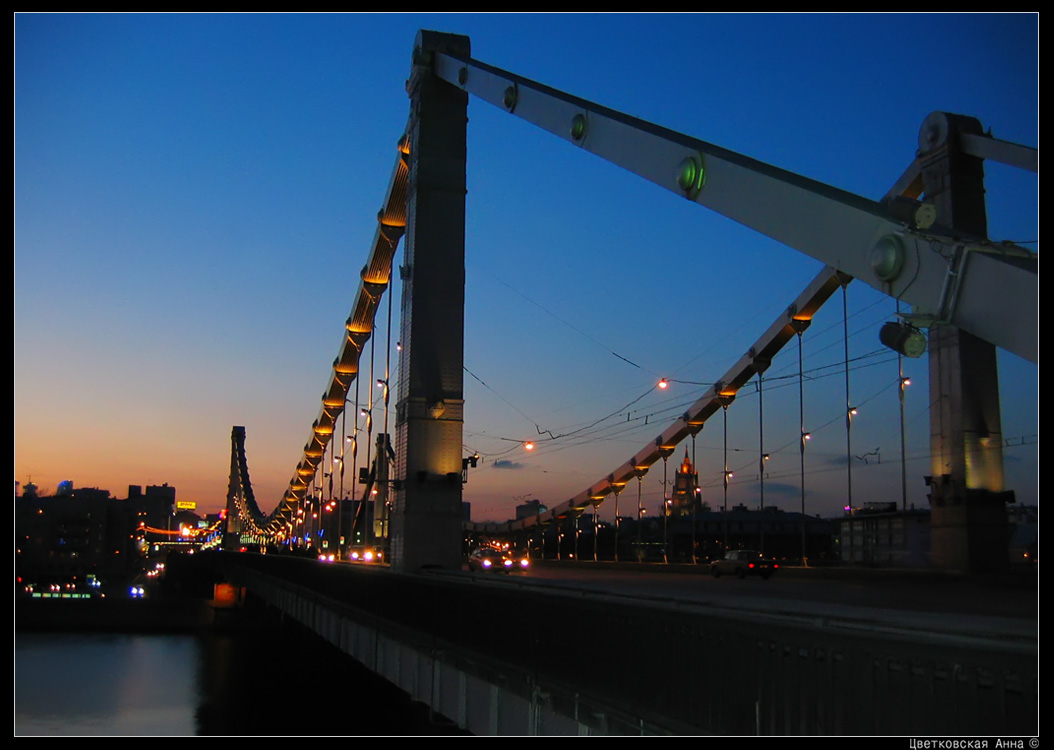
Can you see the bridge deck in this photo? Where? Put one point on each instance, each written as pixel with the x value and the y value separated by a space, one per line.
pixel 732 664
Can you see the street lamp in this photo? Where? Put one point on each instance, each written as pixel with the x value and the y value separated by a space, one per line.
pixel 640 470
pixel 618 490
pixel 903 383
pixel 850 412
pixel 666 452
pixel 805 438
pixel 799 328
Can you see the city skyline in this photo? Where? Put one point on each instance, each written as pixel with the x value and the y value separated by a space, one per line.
pixel 195 196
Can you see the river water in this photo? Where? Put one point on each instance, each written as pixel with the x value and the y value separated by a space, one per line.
pixel 273 680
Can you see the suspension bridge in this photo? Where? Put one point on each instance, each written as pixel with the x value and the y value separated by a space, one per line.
pixel 972 294
pixel 924 245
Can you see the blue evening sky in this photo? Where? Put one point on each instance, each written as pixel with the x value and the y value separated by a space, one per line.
pixel 195 196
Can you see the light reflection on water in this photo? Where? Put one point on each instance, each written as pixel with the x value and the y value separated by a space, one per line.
pixel 215 683
pixel 76 684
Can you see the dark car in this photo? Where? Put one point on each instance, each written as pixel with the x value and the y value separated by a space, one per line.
pixel 493 559
pixel 743 563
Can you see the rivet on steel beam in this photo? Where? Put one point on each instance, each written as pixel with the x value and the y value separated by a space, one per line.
pixel 578 127
pixel 511 97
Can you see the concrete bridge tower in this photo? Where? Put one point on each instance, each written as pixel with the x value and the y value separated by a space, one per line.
pixel 426 519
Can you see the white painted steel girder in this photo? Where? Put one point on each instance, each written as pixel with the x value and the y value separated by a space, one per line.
pixel 988 289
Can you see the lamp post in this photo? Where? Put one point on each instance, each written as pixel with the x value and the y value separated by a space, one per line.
pixel 725 476
pixel 640 509
pixel 850 411
pixel 761 364
pixel 324 508
pixel 576 531
pixel 805 437
pixel 596 531
pixel 366 495
pixel 665 514
pixel 339 503
pixel 697 493
pixel 903 383
pixel 726 400
pixel 799 328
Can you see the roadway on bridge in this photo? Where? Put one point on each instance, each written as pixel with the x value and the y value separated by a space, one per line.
pixel 1003 608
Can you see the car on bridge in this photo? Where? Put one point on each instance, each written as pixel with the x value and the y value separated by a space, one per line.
pixel 743 563
pixel 487 559
pixel 365 555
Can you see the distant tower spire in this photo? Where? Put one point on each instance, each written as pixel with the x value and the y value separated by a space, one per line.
pixel 685 482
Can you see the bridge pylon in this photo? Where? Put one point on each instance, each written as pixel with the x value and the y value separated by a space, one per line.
pixel 239 490
pixel 967 495
pixel 426 523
